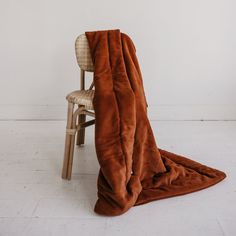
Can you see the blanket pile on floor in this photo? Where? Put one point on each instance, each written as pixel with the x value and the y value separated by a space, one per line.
pixel 133 170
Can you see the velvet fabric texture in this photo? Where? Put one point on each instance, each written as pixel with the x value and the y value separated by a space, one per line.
pixel 133 170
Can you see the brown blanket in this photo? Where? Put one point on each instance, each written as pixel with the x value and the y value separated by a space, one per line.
pixel 133 170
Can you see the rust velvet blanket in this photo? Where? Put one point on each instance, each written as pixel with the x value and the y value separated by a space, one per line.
pixel 133 170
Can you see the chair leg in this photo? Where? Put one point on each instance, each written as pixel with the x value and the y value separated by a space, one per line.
pixel 81 132
pixel 70 161
pixel 68 141
pixel 73 130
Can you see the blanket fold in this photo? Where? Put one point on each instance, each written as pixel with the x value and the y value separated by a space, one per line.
pixel 133 170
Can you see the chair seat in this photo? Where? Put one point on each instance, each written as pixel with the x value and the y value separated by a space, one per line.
pixel 82 97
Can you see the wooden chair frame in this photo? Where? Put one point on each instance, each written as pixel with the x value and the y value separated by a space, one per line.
pixel 76 124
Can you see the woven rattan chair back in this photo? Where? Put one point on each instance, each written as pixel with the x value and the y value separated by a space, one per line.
pixel 83 53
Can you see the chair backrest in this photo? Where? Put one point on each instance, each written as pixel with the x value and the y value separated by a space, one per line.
pixel 83 53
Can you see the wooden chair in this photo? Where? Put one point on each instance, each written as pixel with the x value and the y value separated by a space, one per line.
pixel 79 105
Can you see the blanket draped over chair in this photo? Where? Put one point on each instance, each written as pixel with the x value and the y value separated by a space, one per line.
pixel 133 170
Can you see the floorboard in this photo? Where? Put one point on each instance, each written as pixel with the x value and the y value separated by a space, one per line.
pixel 34 200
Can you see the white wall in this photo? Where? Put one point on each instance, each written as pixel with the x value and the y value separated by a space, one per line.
pixel 186 49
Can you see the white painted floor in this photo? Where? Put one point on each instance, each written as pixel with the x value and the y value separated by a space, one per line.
pixel 34 200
